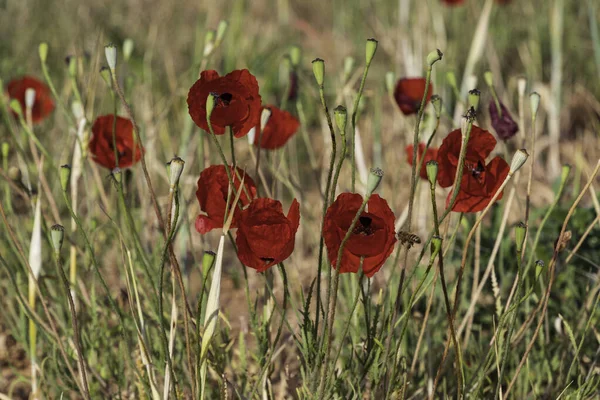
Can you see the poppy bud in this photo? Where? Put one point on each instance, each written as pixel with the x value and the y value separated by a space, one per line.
pixel 175 169
pixel 370 50
pixel 208 260
pixel 566 169
pixel 434 57
pixel 29 98
pixel 105 74
pixel 474 95
pixel 5 148
pixel 451 79
pixel 374 179
pixel 390 82
pixel 534 99
pixel 432 170
pixel 539 267
pixel 110 51
pixel 436 246
pixel 318 66
pixel 341 118
pixel 77 110
pixel 265 114
pixel 127 49
pixel 209 42
pixel 16 107
pixel 437 105
pixel 210 105
pixel 221 30
pixel 72 66
pixel 57 233
pixel 488 77
pixel 348 67
pixel 520 232
pixel 521 86
pixel 43 52
pixel 295 55
pixel 65 175
pixel 518 160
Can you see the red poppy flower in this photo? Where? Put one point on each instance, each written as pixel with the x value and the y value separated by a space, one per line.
pixel 212 192
pixel 479 181
pixel 505 126
pixel 102 146
pixel 237 104
pixel 409 93
pixel 372 238
pixel 430 155
pixel 43 104
pixel 265 236
pixel 279 129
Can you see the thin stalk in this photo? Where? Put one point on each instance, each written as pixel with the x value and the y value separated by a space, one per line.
pixel 354 114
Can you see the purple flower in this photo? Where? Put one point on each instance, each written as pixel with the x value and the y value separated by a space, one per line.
pixel 504 125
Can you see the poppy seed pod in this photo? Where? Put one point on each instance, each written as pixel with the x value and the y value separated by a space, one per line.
pixel 318 66
pixel 534 99
pixel 451 79
pixel 520 232
pixel 434 57
pixel 374 179
pixel 370 50
pixel 65 176
pixel 474 96
pixel 295 55
pixel 432 171
pixel 110 51
pixel 43 52
pixel 57 233
pixel 5 149
pixel 341 118
pixel 539 267
pixel 518 160
pixel 265 115
pixel 221 30
pixel 436 246
pixel 208 259
pixel 175 169
pixel 209 42
pixel 210 105
pixel 29 98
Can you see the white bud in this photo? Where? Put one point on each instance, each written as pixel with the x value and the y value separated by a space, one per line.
pixel 264 117
pixel 521 86
pixel 251 136
pixel 29 98
pixel 127 49
pixel 110 51
pixel 518 160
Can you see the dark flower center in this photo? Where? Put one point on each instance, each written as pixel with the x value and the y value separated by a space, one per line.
pixel 222 99
pixel 119 153
pixel 363 227
pixel 476 170
pixel 267 260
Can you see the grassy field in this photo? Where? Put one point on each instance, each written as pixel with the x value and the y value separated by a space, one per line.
pixel 456 300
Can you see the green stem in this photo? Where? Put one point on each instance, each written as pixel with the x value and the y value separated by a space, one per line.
pixel 354 114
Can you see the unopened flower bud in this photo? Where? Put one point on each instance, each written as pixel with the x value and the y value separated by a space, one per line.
pixel 348 67
pixel 57 234
pixel 65 176
pixel 434 57
pixel 374 179
pixel 295 55
pixel 210 105
pixel 451 79
pixel 127 49
pixel 390 82
pixel 432 171
pixel 110 51
pixel 539 267
pixel 437 105
pixel 43 51
pixel 29 98
pixel 566 170
pixel 341 118
pixel 534 99
pixel 208 260
pixel 488 77
pixel 16 107
pixel 521 86
pixel 318 66
pixel 474 96
pixel 518 160
pixel 175 169
pixel 370 50
pixel 5 149
pixel 72 66
pixel 436 246
pixel 221 30
pixel 520 232
pixel 209 42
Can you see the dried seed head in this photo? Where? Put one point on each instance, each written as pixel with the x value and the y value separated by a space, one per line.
pixel 432 171
pixel 474 96
pixel 57 233
pixel 520 233
pixel 518 160
pixel 110 51
pixel 175 169
pixel 374 179
pixel 341 119
pixel 534 99
pixel 318 66
pixel 370 50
